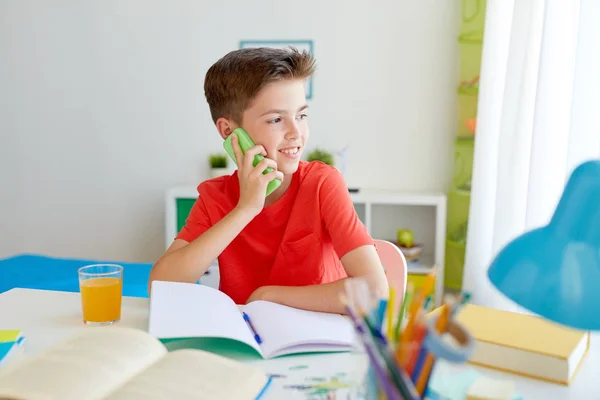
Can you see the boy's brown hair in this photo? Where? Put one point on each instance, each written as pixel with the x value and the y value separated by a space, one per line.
pixel 234 80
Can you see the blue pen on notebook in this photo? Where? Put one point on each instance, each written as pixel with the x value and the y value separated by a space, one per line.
pixel 256 336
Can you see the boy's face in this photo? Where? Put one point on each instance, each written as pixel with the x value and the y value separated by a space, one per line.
pixel 277 120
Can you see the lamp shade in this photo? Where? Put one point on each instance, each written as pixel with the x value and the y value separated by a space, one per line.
pixel 554 271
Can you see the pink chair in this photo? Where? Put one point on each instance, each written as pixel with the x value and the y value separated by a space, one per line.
pixel 394 265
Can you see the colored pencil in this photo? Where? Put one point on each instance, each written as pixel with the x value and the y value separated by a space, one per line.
pixel 419 364
pixel 373 355
pixel 381 348
pixel 415 346
pixel 383 304
pixel 428 302
pixel 401 365
pixel 398 376
pixel 381 345
pixel 390 313
pixel 407 299
pixel 442 323
pixel 376 333
pixel 417 304
pixel 462 300
pixel 440 326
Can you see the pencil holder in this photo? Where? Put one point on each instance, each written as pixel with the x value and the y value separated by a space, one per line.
pixel 459 352
pixel 414 369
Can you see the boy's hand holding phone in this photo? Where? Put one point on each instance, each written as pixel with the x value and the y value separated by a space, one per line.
pixel 253 180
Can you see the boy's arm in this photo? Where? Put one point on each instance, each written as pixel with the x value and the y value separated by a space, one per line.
pixel 350 240
pixel 187 262
pixel 360 262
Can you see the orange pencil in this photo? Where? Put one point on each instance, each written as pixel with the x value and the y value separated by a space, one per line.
pixel 442 323
pixel 411 354
pixel 417 304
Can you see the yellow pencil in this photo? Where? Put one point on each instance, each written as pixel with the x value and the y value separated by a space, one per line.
pixel 390 314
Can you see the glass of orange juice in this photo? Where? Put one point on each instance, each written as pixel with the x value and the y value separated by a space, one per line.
pixel 101 287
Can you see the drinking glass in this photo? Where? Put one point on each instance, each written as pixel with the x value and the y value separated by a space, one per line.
pixel 101 287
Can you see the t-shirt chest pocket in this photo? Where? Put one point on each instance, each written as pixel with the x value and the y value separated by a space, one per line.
pixel 302 261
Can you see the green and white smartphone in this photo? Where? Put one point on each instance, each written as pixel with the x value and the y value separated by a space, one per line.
pixel 245 143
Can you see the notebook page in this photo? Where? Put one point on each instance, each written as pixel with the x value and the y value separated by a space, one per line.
pixel 87 365
pixel 189 310
pixel 194 374
pixel 281 327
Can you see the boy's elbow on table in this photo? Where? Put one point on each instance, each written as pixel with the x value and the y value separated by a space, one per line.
pixel 164 270
pixel 378 280
pixel 155 275
pixel 380 284
pixel 377 283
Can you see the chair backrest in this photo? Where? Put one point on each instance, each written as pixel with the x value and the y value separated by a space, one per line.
pixel 395 266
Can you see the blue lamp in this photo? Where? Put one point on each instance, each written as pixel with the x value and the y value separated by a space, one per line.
pixel 554 270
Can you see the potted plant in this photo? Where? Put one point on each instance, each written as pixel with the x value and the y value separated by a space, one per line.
pixel 321 155
pixel 218 164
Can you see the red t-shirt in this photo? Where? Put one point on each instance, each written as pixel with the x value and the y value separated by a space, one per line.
pixel 299 240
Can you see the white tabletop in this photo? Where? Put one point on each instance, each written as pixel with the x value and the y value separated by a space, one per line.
pixel 585 385
pixel 47 317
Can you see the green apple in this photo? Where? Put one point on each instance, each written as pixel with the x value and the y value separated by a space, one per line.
pixel 405 237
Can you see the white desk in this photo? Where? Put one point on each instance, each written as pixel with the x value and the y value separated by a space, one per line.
pixel 585 386
pixel 47 317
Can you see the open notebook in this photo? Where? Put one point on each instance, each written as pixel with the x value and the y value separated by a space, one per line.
pixel 187 310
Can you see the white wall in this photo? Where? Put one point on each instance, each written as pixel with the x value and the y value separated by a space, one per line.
pixel 102 107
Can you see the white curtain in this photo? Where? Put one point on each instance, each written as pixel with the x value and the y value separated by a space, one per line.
pixel 538 118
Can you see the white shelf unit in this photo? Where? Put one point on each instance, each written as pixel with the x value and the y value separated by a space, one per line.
pixel 171 198
pixel 382 212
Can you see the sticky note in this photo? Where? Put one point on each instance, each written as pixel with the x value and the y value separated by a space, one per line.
pixel 9 340
pixel 455 383
pixel 9 335
pixel 491 389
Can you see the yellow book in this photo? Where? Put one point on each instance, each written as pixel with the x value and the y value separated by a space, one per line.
pixel 524 344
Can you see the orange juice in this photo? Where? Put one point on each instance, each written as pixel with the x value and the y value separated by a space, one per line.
pixel 101 299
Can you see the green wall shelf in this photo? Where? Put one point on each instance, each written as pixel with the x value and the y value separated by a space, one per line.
pixel 455 256
pixel 475 37
pixel 470 42
pixel 468 91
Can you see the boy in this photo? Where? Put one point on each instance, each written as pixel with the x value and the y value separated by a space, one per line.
pixel 297 245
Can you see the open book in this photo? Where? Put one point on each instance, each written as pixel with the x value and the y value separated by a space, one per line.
pixel 117 363
pixel 188 310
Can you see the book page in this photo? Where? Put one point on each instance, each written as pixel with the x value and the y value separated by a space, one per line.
pixel 189 310
pixel 194 374
pixel 86 366
pixel 286 330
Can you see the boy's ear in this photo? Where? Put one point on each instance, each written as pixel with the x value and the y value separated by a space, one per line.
pixel 225 127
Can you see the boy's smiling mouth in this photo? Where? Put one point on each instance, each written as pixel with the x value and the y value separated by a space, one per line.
pixel 291 152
